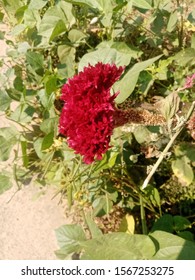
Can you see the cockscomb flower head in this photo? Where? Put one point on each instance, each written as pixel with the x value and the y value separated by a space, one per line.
pixel 87 115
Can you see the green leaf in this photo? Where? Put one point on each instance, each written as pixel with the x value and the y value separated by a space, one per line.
pixel 50 21
pixel 128 6
pixel 180 223
pixel 1 16
pixel 102 164
pixel 119 246
pixel 183 171
pixel 59 28
pixel 186 235
pixel 37 146
pixel 122 47
pixel 49 125
pixel 94 230
pixel 23 47
pixel 66 53
pixel 186 149
pixel 68 11
pixel 23 113
pixel 127 84
pixel 101 5
pixel 185 56
pixel 172 21
pixel 5 100
pixel 18 29
pixel 56 20
pixel 11 6
pixel 50 84
pixel 31 18
pixel 76 36
pixel 164 223
pixel 172 247
pixel 69 238
pixel 158 23
pixel 67 59
pixel 64 72
pixel 45 99
pixel 47 141
pixel 5 183
pixel 156 197
pixel 153 195
pixel 36 60
pixel 19 13
pixel 37 4
pixel 112 156
pixel 112 195
pixel 105 55
pixel 127 224
pixel 169 106
pixel 143 4
pixel 8 138
pixel 102 205
pixel 65 253
pixel 106 20
pixel 142 134
pixel 18 84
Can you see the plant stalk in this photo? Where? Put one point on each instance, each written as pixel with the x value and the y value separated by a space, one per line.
pixel 143 216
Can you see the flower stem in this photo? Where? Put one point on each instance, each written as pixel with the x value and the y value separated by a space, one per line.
pixel 164 152
pixel 143 216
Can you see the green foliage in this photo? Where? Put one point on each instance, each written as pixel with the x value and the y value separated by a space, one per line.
pixel 8 136
pixel 5 101
pixel 131 247
pixel 158 245
pixel 132 75
pixel 170 106
pixel 69 238
pixel 174 224
pixel 106 53
pixel 154 40
pixel 5 183
pixel 172 247
pixel 182 169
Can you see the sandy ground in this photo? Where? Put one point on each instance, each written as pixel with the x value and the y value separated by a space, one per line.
pixel 27 223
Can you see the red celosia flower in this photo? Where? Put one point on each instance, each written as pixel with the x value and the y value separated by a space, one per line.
pixel 87 115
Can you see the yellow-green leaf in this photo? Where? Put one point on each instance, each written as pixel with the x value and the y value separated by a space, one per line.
pixel 127 224
pixel 183 170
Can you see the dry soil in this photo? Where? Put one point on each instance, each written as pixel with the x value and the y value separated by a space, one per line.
pixel 28 220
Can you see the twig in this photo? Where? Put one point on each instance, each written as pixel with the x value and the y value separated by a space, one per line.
pixel 163 154
pixel 13 196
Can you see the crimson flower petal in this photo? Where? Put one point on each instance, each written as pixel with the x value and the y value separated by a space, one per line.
pixel 87 116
